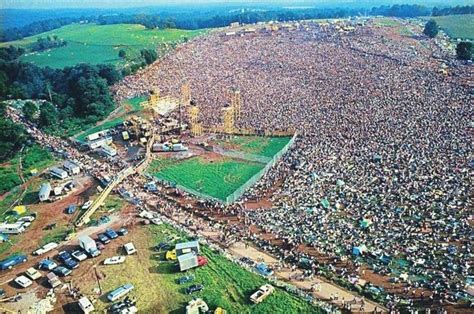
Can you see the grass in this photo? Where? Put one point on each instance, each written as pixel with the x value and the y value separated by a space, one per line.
pixel 386 22
pixel 130 106
pixel 95 44
pixel 34 157
pixel 226 284
pixel 56 235
pixel 218 178
pixel 457 26
pixel 263 146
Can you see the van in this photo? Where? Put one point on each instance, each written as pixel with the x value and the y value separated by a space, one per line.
pixel 130 248
pixel 86 305
pixel 120 292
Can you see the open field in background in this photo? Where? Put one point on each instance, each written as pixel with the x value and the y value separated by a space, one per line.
pixel 217 178
pixel 33 157
pixel 95 44
pixel 226 284
pixel 257 145
pixel 456 26
pixel 130 106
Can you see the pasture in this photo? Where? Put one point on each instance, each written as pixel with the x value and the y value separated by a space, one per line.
pixel 217 178
pixel 456 26
pixel 96 44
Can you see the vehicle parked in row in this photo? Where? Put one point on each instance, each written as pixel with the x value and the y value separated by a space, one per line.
pixel 53 280
pixel 194 288
pixel 67 260
pixel 111 234
pixel 33 274
pixel 114 260
pixel 23 281
pixel 130 248
pixel 47 264
pixel 122 231
pixel 79 255
pixel 184 279
pixel 62 271
pixel 46 248
pixel 89 245
pixel 103 238
pixel 12 261
pixel 263 269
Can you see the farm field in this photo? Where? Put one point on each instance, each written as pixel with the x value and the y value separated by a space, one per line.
pixel 457 26
pixel 225 284
pixel 130 106
pixel 257 145
pixel 95 44
pixel 216 178
pixel 34 157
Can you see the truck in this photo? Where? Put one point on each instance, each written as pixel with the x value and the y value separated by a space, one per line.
pixel 89 245
pixel 86 305
pixel 46 248
pixel 53 280
pixel 190 260
pixel 262 293
pixel 11 261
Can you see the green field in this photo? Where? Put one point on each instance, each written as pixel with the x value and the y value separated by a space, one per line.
pixel 226 284
pixel 33 158
pixel 263 146
pixel 457 26
pixel 95 44
pixel 129 107
pixel 218 179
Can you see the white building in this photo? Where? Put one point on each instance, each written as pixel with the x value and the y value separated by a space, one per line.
pixel 109 151
pixel 58 173
pixel 71 167
pixel 44 192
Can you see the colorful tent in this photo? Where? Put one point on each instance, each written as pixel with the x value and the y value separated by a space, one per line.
pixel 365 223
pixel 325 203
pixel 19 210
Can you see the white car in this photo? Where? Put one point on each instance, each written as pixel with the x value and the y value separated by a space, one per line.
pixel 157 221
pixel 27 218
pixel 79 255
pixel 23 281
pixel 87 205
pixel 33 273
pixel 114 260
pixel 130 248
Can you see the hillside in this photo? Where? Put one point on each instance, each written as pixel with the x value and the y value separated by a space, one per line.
pixel 95 44
pixel 457 26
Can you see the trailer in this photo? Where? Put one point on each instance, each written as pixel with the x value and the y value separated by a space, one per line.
pixel 71 167
pixel 14 228
pixel 89 245
pixel 187 247
pixel 58 173
pixel 187 261
pixel 45 192
pixel 46 248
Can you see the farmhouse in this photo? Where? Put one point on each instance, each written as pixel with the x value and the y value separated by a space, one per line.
pixel 44 192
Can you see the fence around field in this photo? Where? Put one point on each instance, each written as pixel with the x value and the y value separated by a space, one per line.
pixel 241 190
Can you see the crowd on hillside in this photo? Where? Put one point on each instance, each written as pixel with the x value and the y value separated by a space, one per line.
pixel 382 164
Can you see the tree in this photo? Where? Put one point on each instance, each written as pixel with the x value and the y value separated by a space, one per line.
pixel 30 111
pixel 431 29
pixel 122 54
pixel 48 115
pixel 12 136
pixel 464 50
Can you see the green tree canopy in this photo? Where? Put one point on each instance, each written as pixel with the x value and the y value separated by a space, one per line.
pixel 30 111
pixel 431 29
pixel 464 50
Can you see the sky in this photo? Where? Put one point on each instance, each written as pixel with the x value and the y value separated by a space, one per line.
pixel 49 4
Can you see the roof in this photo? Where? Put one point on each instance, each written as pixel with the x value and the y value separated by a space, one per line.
pixel 185 257
pixel 185 245
pixel 57 170
pixel 70 164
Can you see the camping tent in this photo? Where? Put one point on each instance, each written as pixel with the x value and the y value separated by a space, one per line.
pixel 19 210
pixel 365 223
pixel 359 250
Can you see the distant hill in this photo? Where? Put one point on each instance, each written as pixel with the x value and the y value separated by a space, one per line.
pixel 457 26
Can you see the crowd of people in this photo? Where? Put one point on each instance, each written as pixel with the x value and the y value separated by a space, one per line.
pixel 381 169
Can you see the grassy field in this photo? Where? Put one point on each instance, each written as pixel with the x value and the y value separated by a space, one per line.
pixel 94 44
pixel 131 106
pixel 34 157
pixel 218 178
pixel 226 284
pixel 263 146
pixel 457 26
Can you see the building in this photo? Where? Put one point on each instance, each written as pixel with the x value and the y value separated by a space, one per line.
pixel 109 151
pixel 58 173
pixel 44 192
pixel 71 167
pixel 100 142
pixel 187 247
pixel 12 228
pixel 95 136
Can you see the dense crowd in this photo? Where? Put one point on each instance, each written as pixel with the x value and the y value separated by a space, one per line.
pixel 382 164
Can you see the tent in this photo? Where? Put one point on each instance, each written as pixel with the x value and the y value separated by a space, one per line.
pixel 19 210
pixel 365 223
pixel 325 203
pixel 3 237
pixel 359 250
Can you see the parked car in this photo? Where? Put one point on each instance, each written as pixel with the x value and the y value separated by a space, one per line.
pixel 202 261
pixel 79 255
pixel 194 288
pixel 263 270
pixel 2 294
pixel 23 281
pixel 86 205
pixel 53 280
pixel 26 219
pixel 114 260
pixel 47 264
pixel 33 273
pixel 163 246
pixel 247 261
pixel 171 255
pixel 71 209
pixel 100 245
pixel 122 231
pixel 103 238
pixel 11 261
pixel 67 259
pixel 130 248
pixel 184 279
pixel 111 234
pixel 62 271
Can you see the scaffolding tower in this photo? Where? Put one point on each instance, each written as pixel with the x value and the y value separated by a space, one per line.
pixel 236 103
pixel 193 116
pixel 185 95
pixel 154 97
pixel 228 117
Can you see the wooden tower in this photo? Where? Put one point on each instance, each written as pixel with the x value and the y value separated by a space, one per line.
pixel 228 117
pixel 236 103
pixel 193 117
pixel 185 95
pixel 154 97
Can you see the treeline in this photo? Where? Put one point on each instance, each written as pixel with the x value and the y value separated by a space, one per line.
pixel 12 136
pixel 190 19
pixel 77 96
pixel 49 42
